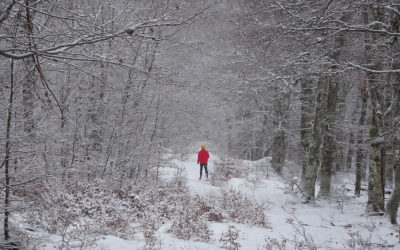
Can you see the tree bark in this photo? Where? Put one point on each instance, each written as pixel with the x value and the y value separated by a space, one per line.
pixel 64 93
pixel 360 154
pixel 394 200
pixel 376 167
pixel 261 143
pixel 350 145
pixel 328 144
pixel 339 160
pixel 279 150
pixel 389 165
pixel 314 156
pixel 279 143
pixel 392 205
pixel 7 159
pixel 350 151
pixel 307 107
pixel 29 81
pixel 375 178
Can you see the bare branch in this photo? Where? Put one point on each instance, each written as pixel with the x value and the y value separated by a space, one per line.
pixel 86 40
pixel 373 70
pixel 7 12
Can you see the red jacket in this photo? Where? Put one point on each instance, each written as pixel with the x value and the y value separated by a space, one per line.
pixel 203 156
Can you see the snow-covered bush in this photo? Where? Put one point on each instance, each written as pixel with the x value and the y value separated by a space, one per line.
pixel 78 210
pixel 272 244
pixel 215 214
pixel 150 226
pixel 230 238
pixel 191 220
pixel 78 205
pixel 82 208
pixel 241 209
pixel 360 240
pixel 357 242
pixel 301 238
pixel 225 169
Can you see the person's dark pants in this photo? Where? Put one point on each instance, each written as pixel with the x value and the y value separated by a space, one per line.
pixel 205 168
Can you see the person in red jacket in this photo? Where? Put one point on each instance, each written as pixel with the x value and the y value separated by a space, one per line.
pixel 202 158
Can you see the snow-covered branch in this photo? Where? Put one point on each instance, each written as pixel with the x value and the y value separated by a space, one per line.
pixel 91 37
pixel 396 11
pixel 373 70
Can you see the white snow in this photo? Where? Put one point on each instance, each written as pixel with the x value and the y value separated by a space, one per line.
pixel 322 224
pixel 191 169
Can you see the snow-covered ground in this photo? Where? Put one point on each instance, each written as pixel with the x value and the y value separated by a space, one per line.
pixel 336 224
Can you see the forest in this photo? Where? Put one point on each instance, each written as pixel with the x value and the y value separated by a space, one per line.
pixel 104 105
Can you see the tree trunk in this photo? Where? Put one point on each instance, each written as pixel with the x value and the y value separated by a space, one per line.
pixel 279 150
pixel 360 154
pixel 29 81
pixel 126 96
pixel 350 151
pixel 7 159
pixel 394 200
pixel 376 168
pixel 261 143
pixel 328 141
pixel 393 203
pixel 314 156
pixel 279 143
pixel 350 145
pixel 339 159
pixel 64 93
pixel 307 107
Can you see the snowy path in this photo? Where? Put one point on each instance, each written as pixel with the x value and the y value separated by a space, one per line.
pixel 324 224
pixel 192 171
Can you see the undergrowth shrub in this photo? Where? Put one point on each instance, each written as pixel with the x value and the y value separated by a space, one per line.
pixel 241 209
pixel 225 169
pixel 108 211
pixel 230 238
pixel 150 227
pixel 191 220
pixel 79 210
pixel 272 244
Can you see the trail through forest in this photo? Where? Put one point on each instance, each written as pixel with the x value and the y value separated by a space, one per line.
pixel 101 99
pixel 336 224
